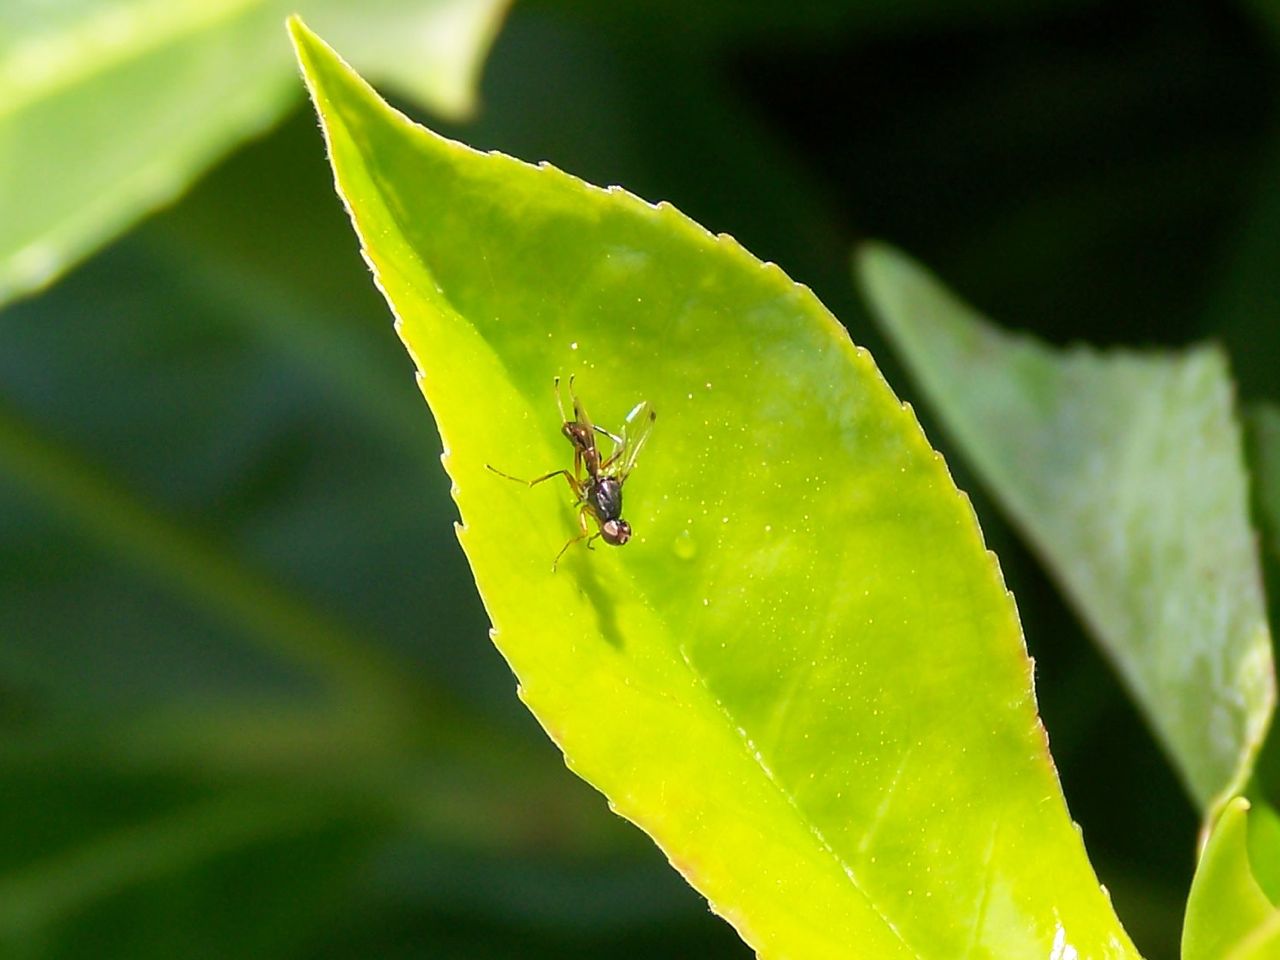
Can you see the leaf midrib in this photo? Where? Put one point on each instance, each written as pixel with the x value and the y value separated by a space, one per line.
pixel 756 755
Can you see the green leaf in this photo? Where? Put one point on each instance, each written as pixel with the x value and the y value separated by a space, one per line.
pixel 108 109
pixel 804 677
pixel 1226 903
pixel 1124 470
pixel 1263 424
pixel 1264 849
pixel 1262 944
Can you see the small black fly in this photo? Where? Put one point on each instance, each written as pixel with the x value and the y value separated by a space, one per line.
pixel 597 495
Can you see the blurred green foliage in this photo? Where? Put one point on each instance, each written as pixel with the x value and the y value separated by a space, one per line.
pixel 153 92
pixel 182 777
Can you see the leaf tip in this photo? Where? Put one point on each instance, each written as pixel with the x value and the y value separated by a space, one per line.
pixel 306 46
pixel 872 256
pixel 300 35
pixel 315 57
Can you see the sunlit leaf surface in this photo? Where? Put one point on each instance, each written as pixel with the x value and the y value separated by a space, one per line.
pixel 803 677
pixel 1262 944
pixel 1227 904
pixel 1125 471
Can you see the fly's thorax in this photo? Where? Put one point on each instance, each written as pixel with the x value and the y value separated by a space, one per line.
pixel 605 497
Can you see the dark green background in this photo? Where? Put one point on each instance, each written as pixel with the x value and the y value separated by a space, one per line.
pixel 1099 171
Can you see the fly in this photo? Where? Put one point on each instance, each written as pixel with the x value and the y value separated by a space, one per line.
pixel 598 494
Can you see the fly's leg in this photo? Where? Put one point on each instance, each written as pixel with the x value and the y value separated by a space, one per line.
pixel 586 535
pixel 583 508
pixel 556 562
pixel 618 450
pixel 573 481
pixel 618 445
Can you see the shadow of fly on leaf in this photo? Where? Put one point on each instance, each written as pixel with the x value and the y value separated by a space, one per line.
pixel 598 494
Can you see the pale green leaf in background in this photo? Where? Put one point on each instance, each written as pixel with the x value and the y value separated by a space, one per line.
pixel 109 108
pixel 1263 424
pixel 1226 903
pixel 804 677
pixel 1124 469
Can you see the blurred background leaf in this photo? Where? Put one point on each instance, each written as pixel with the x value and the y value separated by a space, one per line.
pixel 1126 471
pixel 1091 170
pixel 1263 435
pixel 109 108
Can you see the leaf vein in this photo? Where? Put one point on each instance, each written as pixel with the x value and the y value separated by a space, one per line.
pixel 787 795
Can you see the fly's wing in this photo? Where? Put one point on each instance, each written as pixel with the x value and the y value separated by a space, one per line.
pixel 635 431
